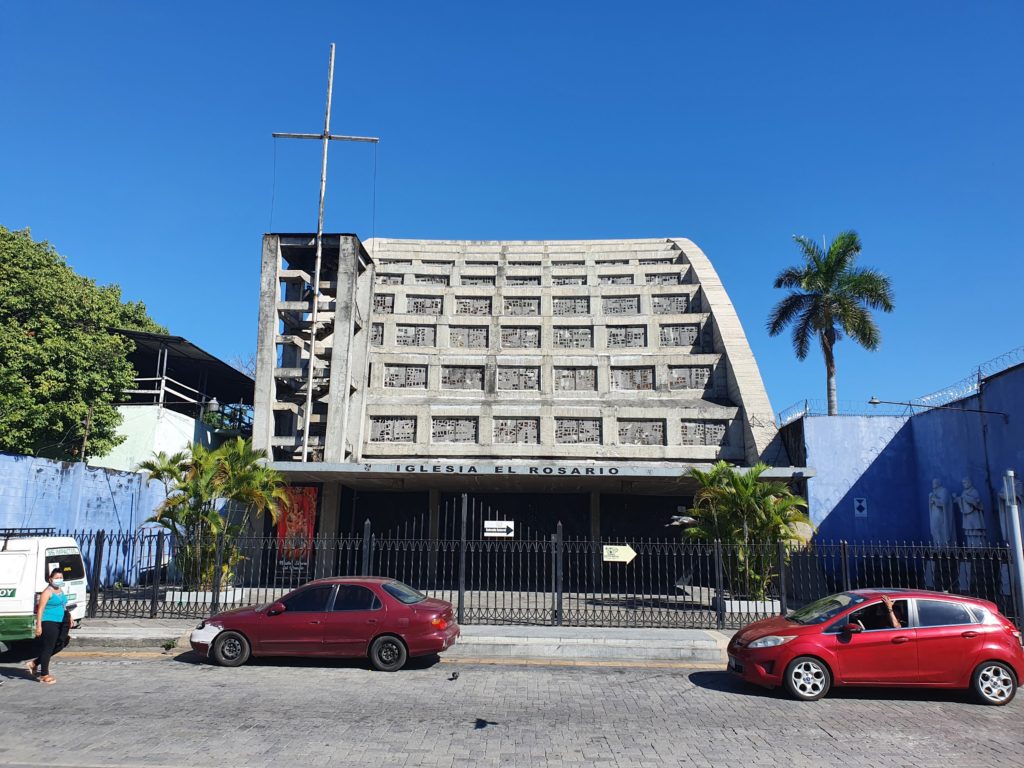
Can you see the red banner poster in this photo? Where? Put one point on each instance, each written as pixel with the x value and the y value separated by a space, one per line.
pixel 296 524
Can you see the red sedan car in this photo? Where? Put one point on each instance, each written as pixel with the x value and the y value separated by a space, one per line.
pixel 927 640
pixel 384 619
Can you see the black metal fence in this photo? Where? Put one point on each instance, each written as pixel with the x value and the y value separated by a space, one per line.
pixel 533 578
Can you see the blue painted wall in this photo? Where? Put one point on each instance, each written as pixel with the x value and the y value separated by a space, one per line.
pixel 891 461
pixel 40 493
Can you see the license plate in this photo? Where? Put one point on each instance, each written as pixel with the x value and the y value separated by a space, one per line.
pixel 734 664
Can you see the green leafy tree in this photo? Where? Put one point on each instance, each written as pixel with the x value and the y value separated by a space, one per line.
pixel 204 487
pixel 61 370
pixel 750 516
pixel 830 297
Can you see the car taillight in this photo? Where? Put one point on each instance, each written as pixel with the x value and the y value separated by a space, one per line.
pixel 1017 634
pixel 438 622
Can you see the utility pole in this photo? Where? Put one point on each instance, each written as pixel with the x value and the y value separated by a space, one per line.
pixel 326 137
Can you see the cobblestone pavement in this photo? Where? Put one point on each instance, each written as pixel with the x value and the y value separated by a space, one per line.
pixel 161 711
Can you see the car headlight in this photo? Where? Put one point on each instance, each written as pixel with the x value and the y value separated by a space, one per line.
pixel 770 641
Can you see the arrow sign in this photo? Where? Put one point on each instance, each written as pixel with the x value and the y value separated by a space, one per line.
pixel 613 553
pixel 499 529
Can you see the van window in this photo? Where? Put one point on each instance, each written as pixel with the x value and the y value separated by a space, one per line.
pixel 67 559
pixel 12 565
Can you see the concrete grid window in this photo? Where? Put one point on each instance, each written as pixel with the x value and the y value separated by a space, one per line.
pixel 615 279
pixel 570 305
pixel 462 377
pixel 522 280
pixel 671 305
pixel 481 263
pixel 611 262
pixel 522 307
pixel 456 429
pixel 577 430
pixel 576 379
pixel 689 376
pixel 524 263
pixel 568 263
pixel 679 335
pixel 520 337
pixel 627 335
pixel 384 303
pixel 664 278
pixel 405 376
pixel 641 432
pixel 517 377
pixel 416 335
pixel 468 336
pixel 393 429
pixel 704 432
pixel 388 279
pixel 569 280
pixel 377 334
pixel 621 305
pixel 646 262
pixel 641 378
pixel 440 263
pixel 473 305
pixel 432 279
pixel 477 280
pixel 573 337
pixel 425 305
pixel 517 431
pixel 396 262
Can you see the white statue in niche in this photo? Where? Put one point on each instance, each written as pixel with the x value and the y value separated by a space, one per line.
pixel 940 518
pixel 972 517
pixel 1006 526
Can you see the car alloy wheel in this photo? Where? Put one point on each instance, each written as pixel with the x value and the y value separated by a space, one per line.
pixel 807 678
pixel 994 683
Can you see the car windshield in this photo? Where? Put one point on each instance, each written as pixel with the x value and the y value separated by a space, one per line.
pixel 825 609
pixel 403 592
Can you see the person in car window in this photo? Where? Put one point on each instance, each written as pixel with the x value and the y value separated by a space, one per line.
pixel 53 603
pixel 887 602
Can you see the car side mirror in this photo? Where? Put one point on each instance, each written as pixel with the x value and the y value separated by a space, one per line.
pixel 276 608
pixel 852 629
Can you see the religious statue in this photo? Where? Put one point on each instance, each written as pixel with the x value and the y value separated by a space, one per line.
pixel 940 518
pixel 972 517
pixel 1006 525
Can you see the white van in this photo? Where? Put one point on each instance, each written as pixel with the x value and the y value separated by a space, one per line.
pixel 25 563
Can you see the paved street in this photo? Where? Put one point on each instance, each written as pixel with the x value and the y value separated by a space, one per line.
pixel 161 711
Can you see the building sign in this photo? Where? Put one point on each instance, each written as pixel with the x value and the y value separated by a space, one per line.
pixel 614 553
pixel 495 469
pixel 296 526
pixel 499 529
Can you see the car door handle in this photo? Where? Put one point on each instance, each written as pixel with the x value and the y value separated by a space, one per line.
pixel 371 621
pixel 316 622
pixel 968 633
pixel 901 639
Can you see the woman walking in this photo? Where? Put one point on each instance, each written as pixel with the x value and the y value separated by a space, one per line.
pixel 49 621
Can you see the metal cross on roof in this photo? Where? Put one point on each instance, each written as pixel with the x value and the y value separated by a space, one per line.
pixel 326 137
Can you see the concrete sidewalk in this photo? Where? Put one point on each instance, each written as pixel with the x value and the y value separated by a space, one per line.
pixel 478 642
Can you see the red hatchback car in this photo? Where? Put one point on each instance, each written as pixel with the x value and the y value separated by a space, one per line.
pixel 929 640
pixel 384 619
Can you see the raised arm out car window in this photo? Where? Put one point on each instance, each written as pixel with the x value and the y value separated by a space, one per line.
pixel 403 592
pixel 312 599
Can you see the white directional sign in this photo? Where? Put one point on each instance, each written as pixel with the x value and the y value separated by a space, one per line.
pixel 614 553
pixel 500 529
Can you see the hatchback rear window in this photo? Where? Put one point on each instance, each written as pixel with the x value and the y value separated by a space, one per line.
pixel 939 613
pixel 404 593
pixel 67 560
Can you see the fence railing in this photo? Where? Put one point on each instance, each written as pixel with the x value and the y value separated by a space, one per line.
pixel 535 579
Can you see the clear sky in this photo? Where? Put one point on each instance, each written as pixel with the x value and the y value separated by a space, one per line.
pixel 136 138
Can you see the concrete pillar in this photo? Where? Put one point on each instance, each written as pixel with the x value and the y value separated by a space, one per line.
pixel 330 510
pixel 266 348
pixel 434 525
pixel 597 558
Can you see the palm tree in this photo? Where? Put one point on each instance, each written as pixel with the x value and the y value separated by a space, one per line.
pixel 165 469
pixel 750 516
pixel 832 297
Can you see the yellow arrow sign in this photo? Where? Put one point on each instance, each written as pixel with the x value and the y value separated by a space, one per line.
pixel 614 553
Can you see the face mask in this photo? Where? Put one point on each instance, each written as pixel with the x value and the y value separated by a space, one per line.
pixel 57 583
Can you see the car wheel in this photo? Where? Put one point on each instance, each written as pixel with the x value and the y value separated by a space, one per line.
pixel 388 654
pixel 230 649
pixel 994 683
pixel 807 678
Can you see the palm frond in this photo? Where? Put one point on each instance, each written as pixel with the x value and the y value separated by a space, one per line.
pixel 787 309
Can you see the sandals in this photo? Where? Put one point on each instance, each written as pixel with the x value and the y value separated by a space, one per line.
pixel 33 668
pixel 48 679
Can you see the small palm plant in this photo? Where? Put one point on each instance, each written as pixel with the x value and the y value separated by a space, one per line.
pixel 203 485
pixel 831 297
pixel 750 516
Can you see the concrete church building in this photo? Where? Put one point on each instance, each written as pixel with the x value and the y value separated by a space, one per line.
pixel 558 380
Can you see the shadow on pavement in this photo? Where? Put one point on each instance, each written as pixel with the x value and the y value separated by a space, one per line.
pixel 294 662
pixel 726 682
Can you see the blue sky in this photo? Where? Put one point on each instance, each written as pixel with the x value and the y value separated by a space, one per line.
pixel 136 138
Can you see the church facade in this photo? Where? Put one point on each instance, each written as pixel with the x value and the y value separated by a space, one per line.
pixel 577 379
